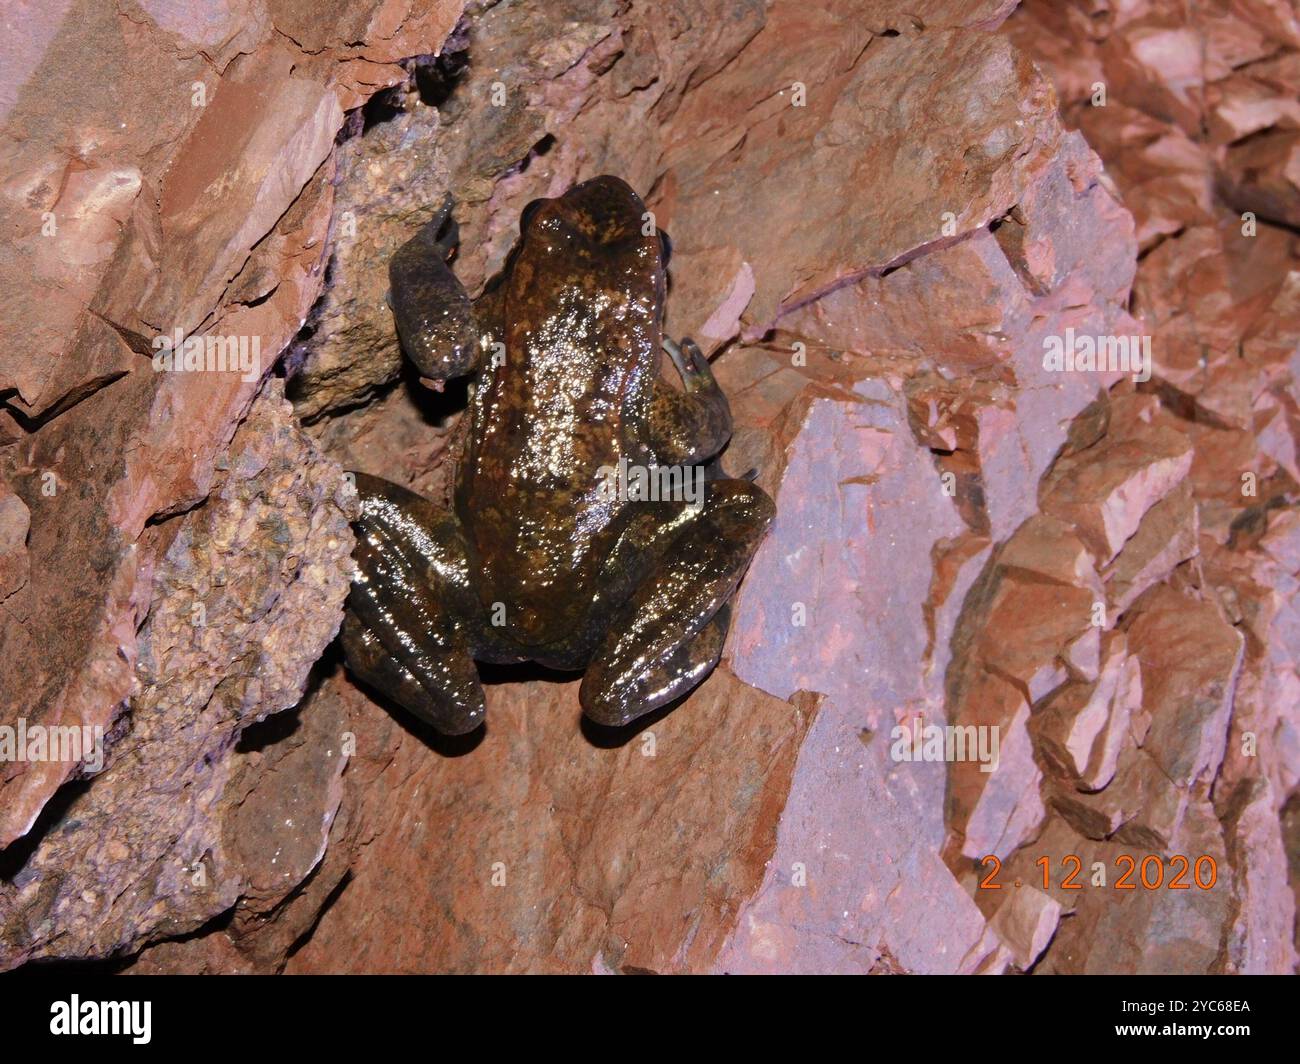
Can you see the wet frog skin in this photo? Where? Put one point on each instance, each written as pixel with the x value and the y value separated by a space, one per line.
pixel 536 560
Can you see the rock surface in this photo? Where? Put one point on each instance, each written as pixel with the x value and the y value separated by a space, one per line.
pixel 879 234
pixel 183 820
pixel 161 172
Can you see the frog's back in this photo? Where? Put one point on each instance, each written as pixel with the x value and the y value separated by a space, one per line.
pixel 581 319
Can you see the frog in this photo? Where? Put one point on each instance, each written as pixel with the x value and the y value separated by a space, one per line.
pixel 539 554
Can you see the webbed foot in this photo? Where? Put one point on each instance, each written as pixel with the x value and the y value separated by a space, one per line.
pixel 692 425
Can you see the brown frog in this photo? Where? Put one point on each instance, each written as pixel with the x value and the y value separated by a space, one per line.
pixel 553 551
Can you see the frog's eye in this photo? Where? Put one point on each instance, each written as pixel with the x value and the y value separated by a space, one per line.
pixel 665 247
pixel 527 214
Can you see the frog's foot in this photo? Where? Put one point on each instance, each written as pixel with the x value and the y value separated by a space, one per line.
pixel 432 311
pixel 402 633
pixel 670 633
pixel 694 424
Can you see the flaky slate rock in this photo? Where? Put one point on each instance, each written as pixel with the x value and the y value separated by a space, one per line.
pixel 1214 550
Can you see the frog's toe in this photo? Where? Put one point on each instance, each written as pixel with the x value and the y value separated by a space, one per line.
pixel 674 352
pixel 435 322
pixel 688 359
pixel 691 425
pixel 431 309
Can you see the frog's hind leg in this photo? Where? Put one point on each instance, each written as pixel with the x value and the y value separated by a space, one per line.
pixel 664 680
pixel 432 311
pixel 692 425
pixel 670 632
pixel 405 632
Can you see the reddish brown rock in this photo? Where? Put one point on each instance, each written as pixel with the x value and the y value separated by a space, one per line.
pixel 1190 659
pixel 176 175
pixel 1104 570
pixel 1046 573
pixel 148 187
pixel 1261 939
pixel 855 638
pixel 15 522
pixel 1140 807
pixel 1082 727
pixel 1166 537
pixel 1262 175
pixel 841 115
pixel 561 864
pixel 519 124
pixel 1105 492
pixel 1112 928
pixel 885 462
pixel 1026 921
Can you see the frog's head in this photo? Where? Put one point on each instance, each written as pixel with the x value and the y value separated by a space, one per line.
pixel 602 217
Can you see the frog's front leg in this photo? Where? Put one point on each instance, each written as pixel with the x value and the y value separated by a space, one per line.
pixel 690 426
pixel 669 634
pixel 408 630
pixel 432 311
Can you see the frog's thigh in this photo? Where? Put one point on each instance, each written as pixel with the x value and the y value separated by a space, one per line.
pixel 670 633
pixel 402 635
